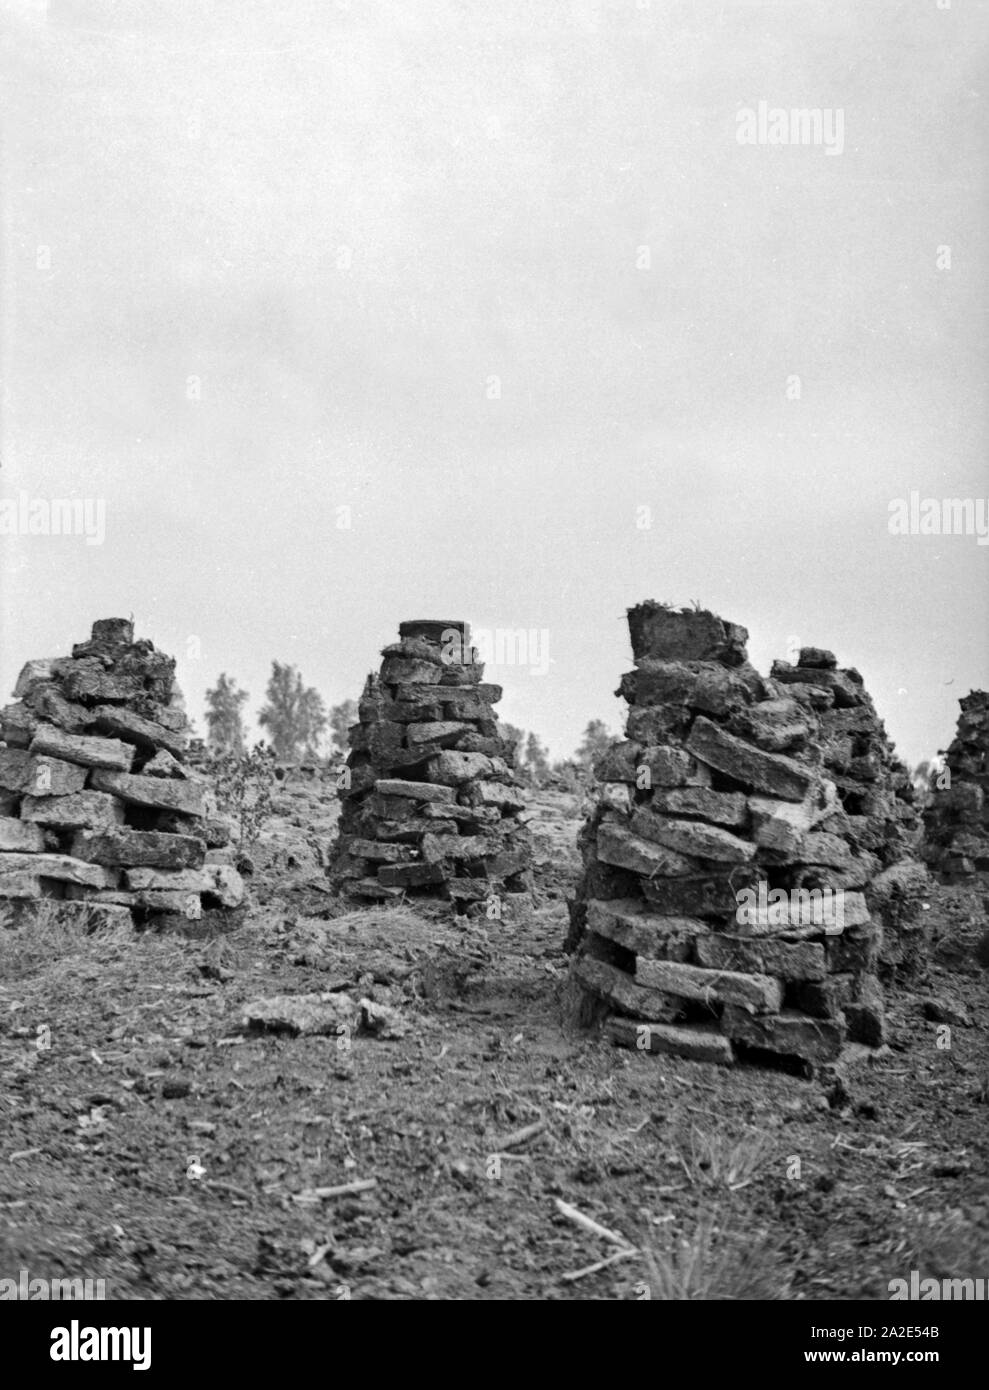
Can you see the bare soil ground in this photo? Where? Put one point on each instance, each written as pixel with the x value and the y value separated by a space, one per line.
pixel 149 1138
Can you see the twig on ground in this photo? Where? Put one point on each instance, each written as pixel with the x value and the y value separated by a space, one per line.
pixel 520 1136
pixel 344 1189
pixel 587 1223
pixel 574 1274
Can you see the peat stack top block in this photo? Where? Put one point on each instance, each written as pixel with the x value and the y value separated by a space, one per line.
pixel 432 804
pixel 731 864
pixel 99 809
pixel 956 823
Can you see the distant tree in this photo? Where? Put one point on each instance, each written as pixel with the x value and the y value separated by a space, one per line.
pixel 177 702
pixel 313 720
pixel 341 718
pixel 595 743
pixel 569 776
pixel 294 714
pixel 536 759
pixel 513 736
pixel 224 720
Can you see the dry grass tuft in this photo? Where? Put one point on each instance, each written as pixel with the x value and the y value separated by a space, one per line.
pixel 713 1159
pixel 393 920
pixel 714 1263
pixel 944 1245
pixel 42 934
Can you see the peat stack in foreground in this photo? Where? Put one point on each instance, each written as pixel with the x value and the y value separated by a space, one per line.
pixel 724 906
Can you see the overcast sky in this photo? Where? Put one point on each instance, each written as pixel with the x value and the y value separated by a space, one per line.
pixel 496 275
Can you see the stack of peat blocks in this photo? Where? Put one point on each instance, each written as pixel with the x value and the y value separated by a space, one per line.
pixel 722 912
pixel 432 804
pixel 98 809
pixel 956 823
pixel 874 786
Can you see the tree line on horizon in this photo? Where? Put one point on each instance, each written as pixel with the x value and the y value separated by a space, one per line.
pixel 299 727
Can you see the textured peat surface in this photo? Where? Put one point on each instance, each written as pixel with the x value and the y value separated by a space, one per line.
pixel 153 1139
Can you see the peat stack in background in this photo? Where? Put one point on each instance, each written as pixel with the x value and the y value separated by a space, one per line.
pixel 723 907
pixel 956 823
pixel 876 794
pixel 874 785
pixel 97 804
pixel 433 805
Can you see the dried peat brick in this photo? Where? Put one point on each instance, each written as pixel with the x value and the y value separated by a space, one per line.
pixel 20 836
pixel 139 848
pixel 771 773
pixel 15 766
pixel 790 1034
pixel 417 875
pixel 84 749
pixel 620 846
pixel 618 988
pixel 758 992
pixel 628 923
pixel 131 727
pixel 730 809
pixel 52 777
pixel 86 810
pixel 692 837
pixel 153 792
pixel 695 1042
pixel 58 866
pixel 785 960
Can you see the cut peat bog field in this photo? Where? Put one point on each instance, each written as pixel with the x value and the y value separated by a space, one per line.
pixel 304 1101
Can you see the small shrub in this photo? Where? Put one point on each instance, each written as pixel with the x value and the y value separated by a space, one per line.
pixel 245 790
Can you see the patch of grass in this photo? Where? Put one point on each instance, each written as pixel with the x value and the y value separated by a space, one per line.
pixel 41 934
pixel 714 1262
pixel 713 1159
pixel 398 921
pixel 945 1245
